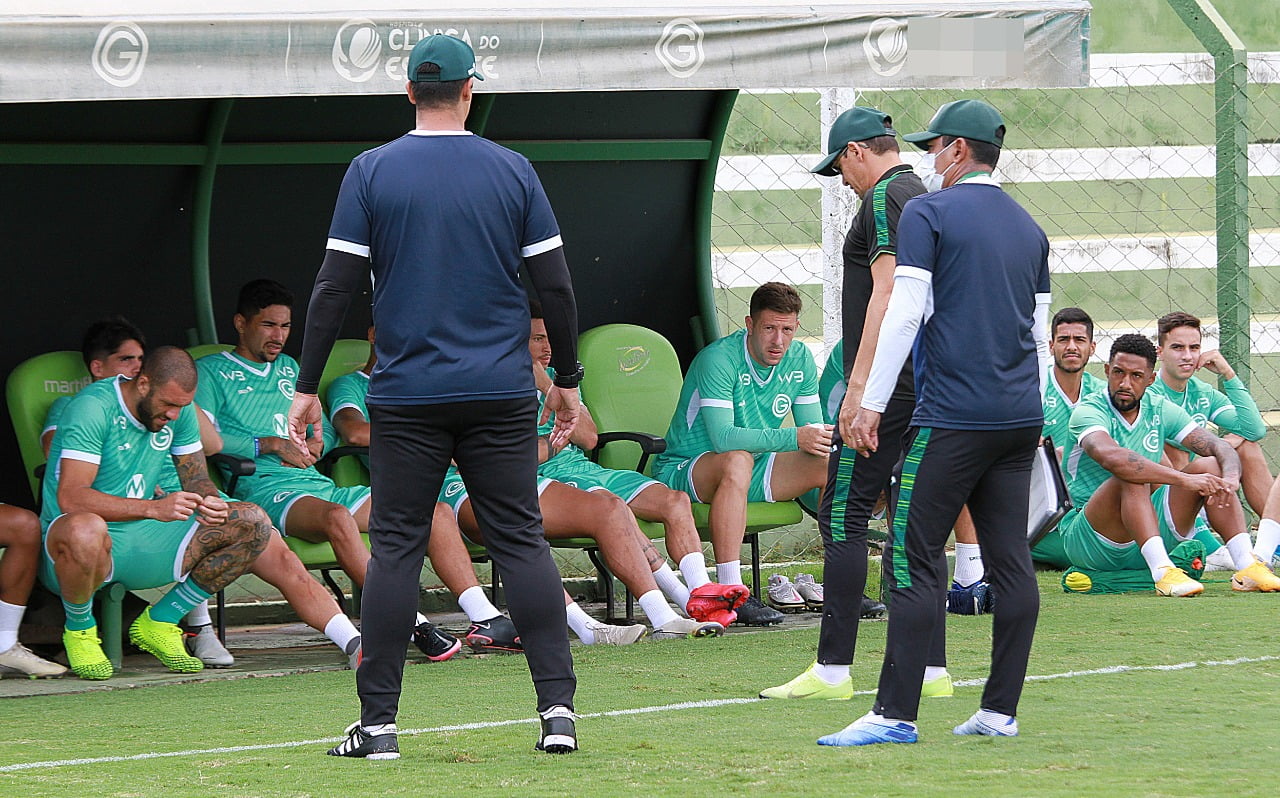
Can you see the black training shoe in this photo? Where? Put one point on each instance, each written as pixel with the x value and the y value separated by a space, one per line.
pixel 495 634
pixel 361 744
pixel 871 608
pixel 558 734
pixel 437 644
pixel 753 612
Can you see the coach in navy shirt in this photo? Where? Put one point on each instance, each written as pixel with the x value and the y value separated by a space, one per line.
pixel 446 221
pixel 970 302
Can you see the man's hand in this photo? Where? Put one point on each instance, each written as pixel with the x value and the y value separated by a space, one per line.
pixel 176 506
pixel 849 407
pixel 866 431
pixel 1217 491
pixel 814 439
pixel 213 510
pixel 303 413
pixel 288 451
pixel 1216 363
pixel 564 403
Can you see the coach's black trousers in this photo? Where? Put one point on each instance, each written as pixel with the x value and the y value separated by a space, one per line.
pixel 942 470
pixel 495 446
pixel 854 483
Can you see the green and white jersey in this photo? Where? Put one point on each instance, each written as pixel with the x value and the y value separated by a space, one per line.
pixel 349 390
pixel 1233 411
pixel 1058 407
pixel 832 384
pixel 1158 421
pixel 248 400
pixel 97 427
pixel 731 403
pixel 569 456
pixel 54 415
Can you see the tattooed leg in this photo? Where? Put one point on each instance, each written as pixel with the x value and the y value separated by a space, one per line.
pixel 217 555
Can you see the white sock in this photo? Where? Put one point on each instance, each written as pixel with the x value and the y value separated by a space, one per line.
pixel 932 672
pixel 831 674
pixel 969 567
pixel 341 631
pixel 656 608
pixel 10 619
pixel 996 719
pixel 729 573
pixel 1241 549
pixel 872 717
pixel 381 728
pixel 671 585
pixel 476 605
pixel 1268 540
pixel 199 615
pixel 1157 557
pixel 693 567
pixel 579 622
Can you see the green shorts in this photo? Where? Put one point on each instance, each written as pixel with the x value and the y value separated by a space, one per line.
pixel 1050 550
pixel 453 492
pixel 677 473
pixel 1168 530
pixel 1088 550
pixel 276 492
pixel 144 553
pixel 586 475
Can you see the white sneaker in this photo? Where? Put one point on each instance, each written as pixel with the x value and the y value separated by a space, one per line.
pixel 686 627
pixel 609 635
pixel 205 646
pixel 783 595
pixel 1220 560
pixel 21 660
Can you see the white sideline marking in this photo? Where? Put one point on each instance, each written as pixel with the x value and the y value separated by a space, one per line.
pixel 491 724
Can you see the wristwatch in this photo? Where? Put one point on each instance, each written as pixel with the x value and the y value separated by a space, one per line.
pixel 571 379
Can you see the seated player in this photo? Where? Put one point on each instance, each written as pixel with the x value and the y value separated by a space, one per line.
pixel 1264 548
pixel 1071 344
pixel 113 347
pixel 20 539
pixel 726 444
pixel 103 523
pixel 1114 447
pixel 247 393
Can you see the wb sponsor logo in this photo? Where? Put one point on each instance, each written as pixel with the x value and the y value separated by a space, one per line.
pixel 362 49
pixel 632 359
pixel 781 405
pixel 679 48
pixel 161 441
pixel 120 54
pixel 792 376
pixel 886 46
pixel 137 488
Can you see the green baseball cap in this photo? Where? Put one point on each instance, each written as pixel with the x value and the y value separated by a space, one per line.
pixel 967 119
pixel 455 58
pixel 857 124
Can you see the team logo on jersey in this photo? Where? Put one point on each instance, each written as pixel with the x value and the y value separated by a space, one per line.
pixel 120 54
pixel 280 424
pixel 281 497
pixel 886 46
pixel 1152 441
pixel 679 49
pixel 137 488
pixel 286 388
pixel 161 441
pixel 453 489
pixel 1201 419
pixel 632 359
pixel 781 405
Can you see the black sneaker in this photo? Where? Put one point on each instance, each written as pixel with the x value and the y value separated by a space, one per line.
pixel 495 634
pixel 558 734
pixel 753 612
pixel 437 644
pixel 361 744
pixel 871 608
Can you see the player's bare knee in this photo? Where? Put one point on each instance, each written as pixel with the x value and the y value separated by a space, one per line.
pixel 676 505
pixel 19 529
pixel 338 520
pixel 254 527
pixel 1204 465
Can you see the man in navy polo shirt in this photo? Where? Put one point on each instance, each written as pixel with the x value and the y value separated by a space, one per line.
pixel 446 221
pixel 970 301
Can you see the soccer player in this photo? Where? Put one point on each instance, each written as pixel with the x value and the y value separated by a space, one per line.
pixel 113 347
pixel 247 393
pixel 102 521
pixel 20 539
pixel 1114 448
pixel 1232 410
pixel 1071 344
pixel 726 444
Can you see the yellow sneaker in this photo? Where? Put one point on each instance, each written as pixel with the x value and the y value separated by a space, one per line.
pixel 84 652
pixel 1257 578
pixel 940 687
pixel 164 641
pixel 810 685
pixel 1175 582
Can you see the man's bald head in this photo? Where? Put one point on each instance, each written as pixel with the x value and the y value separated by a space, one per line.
pixel 166 364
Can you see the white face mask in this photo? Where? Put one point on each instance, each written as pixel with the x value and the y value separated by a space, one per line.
pixel 928 175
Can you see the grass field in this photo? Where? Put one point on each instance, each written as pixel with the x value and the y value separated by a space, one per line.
pixel 1160 728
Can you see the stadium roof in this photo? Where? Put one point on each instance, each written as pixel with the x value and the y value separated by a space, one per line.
pixel 159 49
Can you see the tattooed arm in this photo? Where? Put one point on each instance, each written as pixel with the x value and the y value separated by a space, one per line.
pixel 193 473
pixel 1133 467
pixel 1206 444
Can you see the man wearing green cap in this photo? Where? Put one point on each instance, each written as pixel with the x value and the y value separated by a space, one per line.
pixel 446 218
pixel 971 295
pixel 862 149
